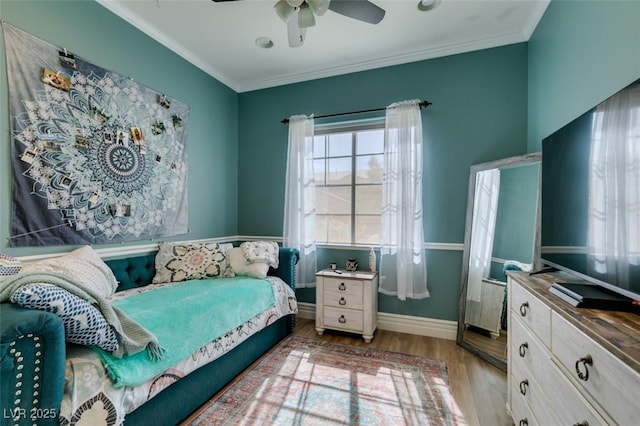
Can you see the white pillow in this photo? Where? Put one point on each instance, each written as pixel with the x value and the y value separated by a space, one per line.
pixel 241 265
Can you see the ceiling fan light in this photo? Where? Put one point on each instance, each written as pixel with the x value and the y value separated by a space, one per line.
pixel 295 3
pixel 319 7
pixel 284 10
pixel 426 5
pixel 305 17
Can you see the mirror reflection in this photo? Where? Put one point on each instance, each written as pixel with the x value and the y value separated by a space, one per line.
pixel 501 234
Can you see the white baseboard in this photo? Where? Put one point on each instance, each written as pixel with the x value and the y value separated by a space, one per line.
pixel 401 323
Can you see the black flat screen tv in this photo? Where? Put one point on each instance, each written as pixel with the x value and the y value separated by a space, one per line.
pixel 590 211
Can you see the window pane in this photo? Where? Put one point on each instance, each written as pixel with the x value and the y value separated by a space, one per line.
pixel 370 142
pixel 368 229
pixel 339 144
pixel 369 168
pixel 319 147
pixel 319 172
pixel 321 229
pixel 346 214
pixel 339 229
pixel 339 171
pixel 369 199
pixel 333 200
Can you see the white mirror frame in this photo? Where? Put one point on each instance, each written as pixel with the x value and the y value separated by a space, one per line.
pixel 474 170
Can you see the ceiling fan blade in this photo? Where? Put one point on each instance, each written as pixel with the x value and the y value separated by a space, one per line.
pixel 362 10
pixel 296 34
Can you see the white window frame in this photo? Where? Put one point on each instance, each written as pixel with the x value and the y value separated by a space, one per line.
pixel 353 127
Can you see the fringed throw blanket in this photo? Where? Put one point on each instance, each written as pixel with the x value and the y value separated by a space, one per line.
pixel 132 337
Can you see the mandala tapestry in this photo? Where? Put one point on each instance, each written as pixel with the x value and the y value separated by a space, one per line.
pixel 97 158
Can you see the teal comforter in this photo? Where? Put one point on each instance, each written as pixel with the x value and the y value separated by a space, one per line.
pixel 184 317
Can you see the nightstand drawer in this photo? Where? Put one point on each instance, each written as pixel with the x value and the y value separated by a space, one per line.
pixel 349 287
pixel 345 319
pixel 343 293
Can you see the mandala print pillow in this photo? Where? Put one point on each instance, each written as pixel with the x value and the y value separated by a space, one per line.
pixel 189 261
pixel 83 323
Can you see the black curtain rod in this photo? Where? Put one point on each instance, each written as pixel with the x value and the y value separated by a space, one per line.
pixel 422 104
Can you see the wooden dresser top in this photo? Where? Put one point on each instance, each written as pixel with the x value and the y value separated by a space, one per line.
pixel 618 332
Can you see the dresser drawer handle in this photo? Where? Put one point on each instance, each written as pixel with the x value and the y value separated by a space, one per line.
pixel 523 422
pixel 523 349
pixel 585 361
pixel 523 309
pixel 342 319
pixel 342 287
pixel 523 386
pixel 582 423
pixel 342 301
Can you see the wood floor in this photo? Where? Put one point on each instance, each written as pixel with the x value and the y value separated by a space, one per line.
pixel 479 389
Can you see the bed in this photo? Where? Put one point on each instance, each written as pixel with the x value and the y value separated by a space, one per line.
pixel 75 387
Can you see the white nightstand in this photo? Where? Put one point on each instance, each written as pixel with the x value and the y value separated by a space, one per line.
pixel 347 301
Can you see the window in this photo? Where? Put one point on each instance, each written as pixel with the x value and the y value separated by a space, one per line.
pixel 348 164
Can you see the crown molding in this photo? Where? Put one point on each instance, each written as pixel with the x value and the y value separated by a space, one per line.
pixel 538 13
pixel 168 42
pixel 370 64
pixel 313 74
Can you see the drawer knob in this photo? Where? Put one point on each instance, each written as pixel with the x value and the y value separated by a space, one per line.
pixel 523 386
pixel 523 422
pixel 342 301
pixel 523 349
pixel 582 423
pixel 342 319
pixel 523 309
pixel 342 287
pixel 585 362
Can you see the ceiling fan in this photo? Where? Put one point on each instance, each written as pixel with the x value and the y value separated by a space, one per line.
pixel 299 14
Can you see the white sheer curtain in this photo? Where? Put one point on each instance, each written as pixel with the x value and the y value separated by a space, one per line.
pixel 483 229
pixel 614 178
pixel 403 270
pixel 299 225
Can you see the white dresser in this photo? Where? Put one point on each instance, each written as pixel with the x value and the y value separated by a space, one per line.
pixel 569 366
pixel 347 302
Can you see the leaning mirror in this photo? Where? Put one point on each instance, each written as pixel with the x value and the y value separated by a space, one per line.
pixel 502 233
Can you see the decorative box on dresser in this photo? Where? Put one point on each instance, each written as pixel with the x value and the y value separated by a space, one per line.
pixel 347 301
pixel 566 365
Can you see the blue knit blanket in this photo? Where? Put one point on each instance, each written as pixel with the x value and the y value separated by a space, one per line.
pixel 184 317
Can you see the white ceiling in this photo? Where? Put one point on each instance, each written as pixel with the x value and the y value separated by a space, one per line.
pixel 219 37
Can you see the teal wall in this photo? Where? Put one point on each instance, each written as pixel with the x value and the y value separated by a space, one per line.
pixel 581 53
pixel 92 32
pixel 487 105
pixel 478 114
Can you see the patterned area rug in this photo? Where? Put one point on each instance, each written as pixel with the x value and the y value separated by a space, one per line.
pixel 309 382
